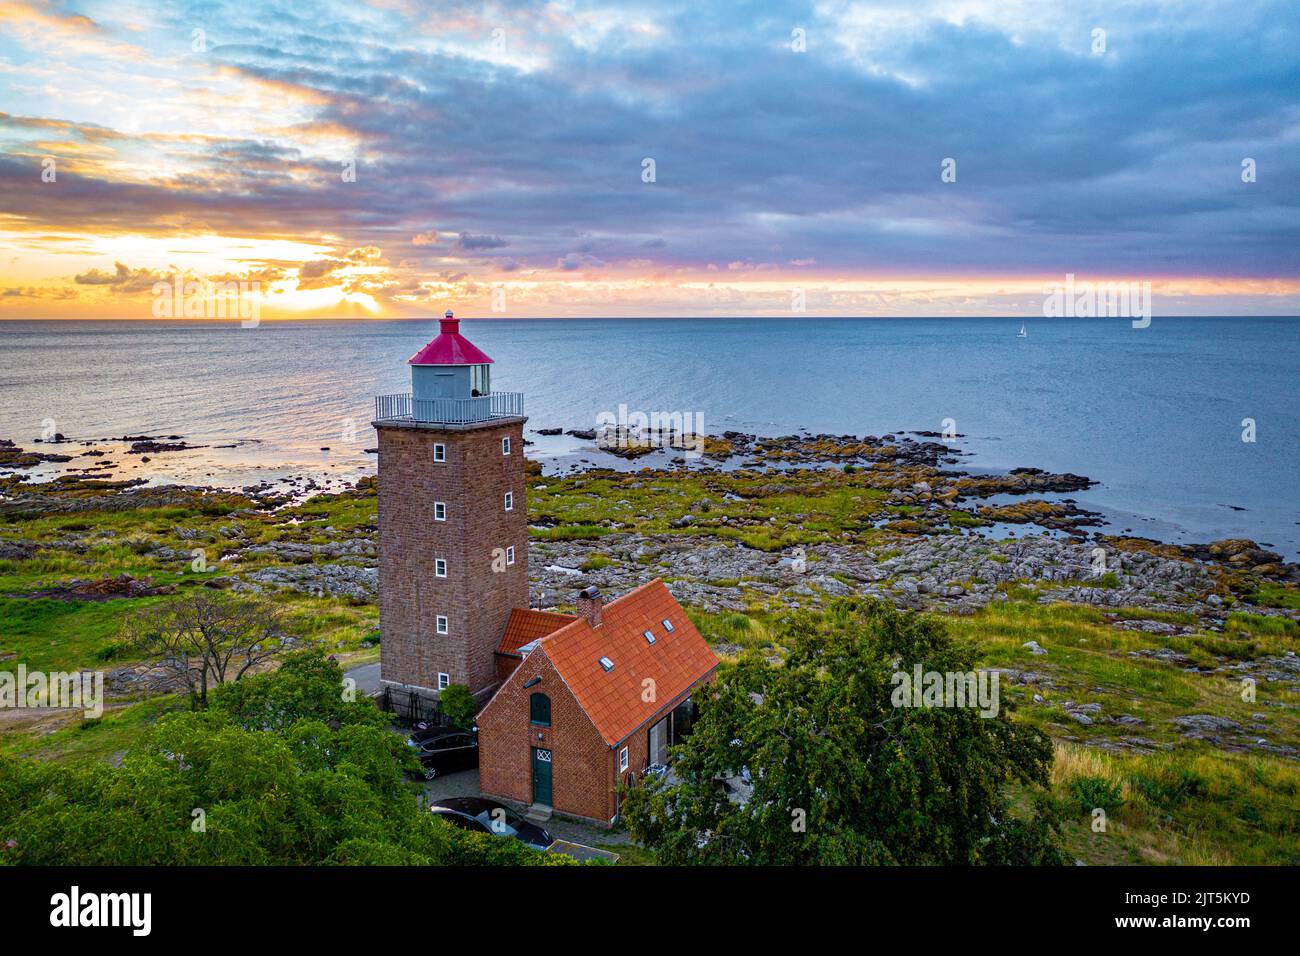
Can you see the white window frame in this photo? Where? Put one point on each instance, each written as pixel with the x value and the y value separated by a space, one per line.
pixel 510 555
pixel 505 445
pixel 439 567
pixel 622 760
pixel 440 511
pixel 439 453
pixel 510 501
pixel 444 681
pixel 441 624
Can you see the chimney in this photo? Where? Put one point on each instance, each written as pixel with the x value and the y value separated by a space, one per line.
pixel 589 605
pixel 449 324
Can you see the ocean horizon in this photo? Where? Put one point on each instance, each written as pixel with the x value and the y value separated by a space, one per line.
pixel 1156 415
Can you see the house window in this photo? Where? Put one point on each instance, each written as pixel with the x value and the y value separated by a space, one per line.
pixel 505 446
pixel 510 555
pixel 622 760
pixel 510 501
pixel 440 567
pixel 441 624
pixel 444 681
pixel 440 511
pixel 439 452
pixel 668 625
pixel 649 636
pixel 539 710
pixel 606 663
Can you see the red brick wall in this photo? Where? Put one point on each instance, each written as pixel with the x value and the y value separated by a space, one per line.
pixel 581 765
pixel 475 599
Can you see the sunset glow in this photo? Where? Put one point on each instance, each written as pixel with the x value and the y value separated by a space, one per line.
pixel 494 159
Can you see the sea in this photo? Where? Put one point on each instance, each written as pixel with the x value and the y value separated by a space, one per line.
pixel 1190 426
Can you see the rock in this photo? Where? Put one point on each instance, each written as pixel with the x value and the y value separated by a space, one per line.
pixel 337 580
pixel 1206 723
pixel 1034 647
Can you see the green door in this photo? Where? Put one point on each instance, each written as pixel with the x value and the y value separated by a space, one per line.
pixel 541 776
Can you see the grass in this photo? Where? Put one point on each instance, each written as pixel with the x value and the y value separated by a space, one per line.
pixel 102 739
pixel 1195 807
pixel 1185 802
pixel 52 635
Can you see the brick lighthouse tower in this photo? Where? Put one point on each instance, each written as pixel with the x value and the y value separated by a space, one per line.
pixel 453 526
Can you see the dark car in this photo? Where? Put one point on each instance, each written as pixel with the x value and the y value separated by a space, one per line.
pixel 481 815
pixel 443 750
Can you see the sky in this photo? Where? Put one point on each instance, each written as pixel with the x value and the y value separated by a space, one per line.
pixel 389 158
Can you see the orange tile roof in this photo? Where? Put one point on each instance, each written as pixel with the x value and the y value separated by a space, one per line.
pixel 614 700
pixel 527 625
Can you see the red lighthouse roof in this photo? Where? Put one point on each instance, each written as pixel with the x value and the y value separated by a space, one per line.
pixel 450 347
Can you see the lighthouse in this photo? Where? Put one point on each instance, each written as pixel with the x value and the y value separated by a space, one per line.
pixel 453 531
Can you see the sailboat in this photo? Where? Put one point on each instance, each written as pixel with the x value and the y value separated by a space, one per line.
pixel 1022 333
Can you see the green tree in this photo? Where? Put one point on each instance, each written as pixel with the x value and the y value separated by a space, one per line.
pixel 278 770
pixel 206 639
pixel 839 775
pixel 458 705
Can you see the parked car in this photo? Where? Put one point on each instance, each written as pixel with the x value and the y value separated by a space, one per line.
pixel 481 815
pixel 443 750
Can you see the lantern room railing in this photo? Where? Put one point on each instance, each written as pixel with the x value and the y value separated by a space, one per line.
pixel 448 411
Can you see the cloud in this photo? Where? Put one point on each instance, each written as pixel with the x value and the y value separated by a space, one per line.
pixel 123 279
pixel 470 242
pixel 817 164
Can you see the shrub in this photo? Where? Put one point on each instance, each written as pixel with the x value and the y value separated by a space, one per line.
pixel 458 705
pixel 1092 792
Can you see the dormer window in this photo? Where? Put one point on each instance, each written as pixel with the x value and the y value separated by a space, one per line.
pixel 668 625
pixel 649 636
pixel 606 663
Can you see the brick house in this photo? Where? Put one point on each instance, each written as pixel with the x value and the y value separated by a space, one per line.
pixel 575 703
pixel 593 703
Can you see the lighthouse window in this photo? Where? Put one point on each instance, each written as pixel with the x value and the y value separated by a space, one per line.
pixel 505 446
pixel 441 624
pixel 510 501
pixel 440 511
pixel 440 567
pixel 439 452
pixel 510 555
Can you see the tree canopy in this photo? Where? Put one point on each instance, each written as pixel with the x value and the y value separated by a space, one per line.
pixel 280 769
pixel 839 774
